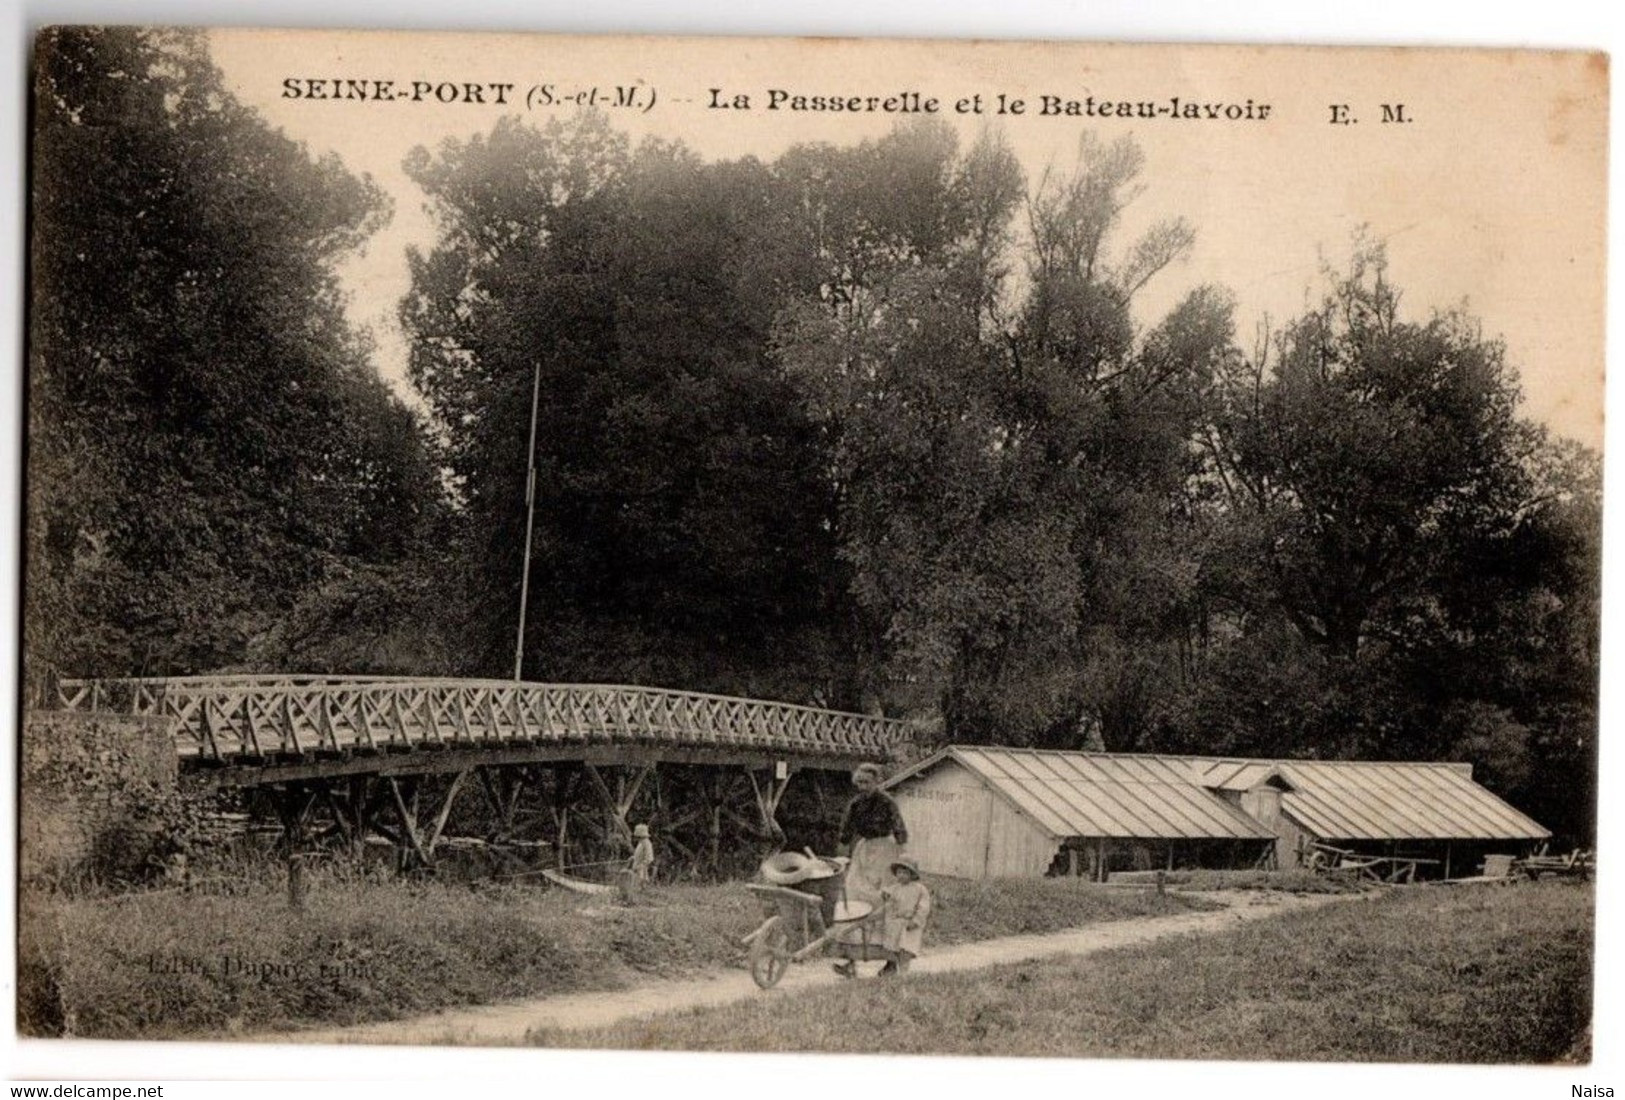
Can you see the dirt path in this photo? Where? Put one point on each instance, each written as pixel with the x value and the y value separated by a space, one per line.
pixel 505 1024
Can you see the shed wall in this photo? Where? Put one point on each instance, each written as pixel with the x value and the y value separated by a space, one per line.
pixel 1016 845
pixel 1263 804
pixel 1293 847
pixel 957 826
pixel 1292 840
pixel 946 811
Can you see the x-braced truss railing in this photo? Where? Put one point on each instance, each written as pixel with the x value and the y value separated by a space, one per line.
pixel 229 717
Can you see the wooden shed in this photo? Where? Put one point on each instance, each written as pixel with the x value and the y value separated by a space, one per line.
pixel 991 812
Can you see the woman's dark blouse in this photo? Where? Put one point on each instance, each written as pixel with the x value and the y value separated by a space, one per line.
pixel 872 814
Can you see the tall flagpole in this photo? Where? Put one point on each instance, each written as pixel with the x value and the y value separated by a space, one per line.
pixel 530 521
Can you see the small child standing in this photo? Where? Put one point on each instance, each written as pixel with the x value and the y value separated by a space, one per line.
pixel 634 878
pixel 908 904
pixel 643 855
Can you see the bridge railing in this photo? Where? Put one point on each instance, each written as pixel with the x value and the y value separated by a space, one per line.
pixel 230 717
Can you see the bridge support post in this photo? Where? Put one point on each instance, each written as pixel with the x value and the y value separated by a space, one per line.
pixel 769 793
pixel 564 781
pixel 293 806
pixel 418 839
pixel 406 811
pixel 357 808
pixel 502 788
pixel 716 824
pixel 341 827
pixel 444 813
pixel 618 804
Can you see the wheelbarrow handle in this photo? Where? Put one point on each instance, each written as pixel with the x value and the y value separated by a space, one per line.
pixel 761 928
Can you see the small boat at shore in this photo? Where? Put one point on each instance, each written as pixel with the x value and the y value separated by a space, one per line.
pixel 578 885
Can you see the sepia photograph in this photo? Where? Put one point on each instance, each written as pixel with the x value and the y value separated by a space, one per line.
pixel 812 546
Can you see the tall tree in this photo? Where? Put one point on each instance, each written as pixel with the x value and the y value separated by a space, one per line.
pixel 1375 456
pixel 680 534
pixel 996 460
pixel 1400 566
pixel 205 434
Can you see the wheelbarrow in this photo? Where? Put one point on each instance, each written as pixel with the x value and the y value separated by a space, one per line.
pixel 801 924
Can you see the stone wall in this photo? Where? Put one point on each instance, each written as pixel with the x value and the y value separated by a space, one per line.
pixel 96 789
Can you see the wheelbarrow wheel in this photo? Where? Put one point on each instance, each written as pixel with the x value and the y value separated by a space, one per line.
pixel 770 954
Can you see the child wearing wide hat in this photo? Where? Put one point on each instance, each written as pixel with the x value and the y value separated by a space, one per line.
pixel 643 854
pixel 908 904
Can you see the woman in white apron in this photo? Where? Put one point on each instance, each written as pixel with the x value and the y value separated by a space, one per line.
pixel 872 829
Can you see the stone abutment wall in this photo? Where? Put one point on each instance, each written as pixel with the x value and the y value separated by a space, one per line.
pixel 97 794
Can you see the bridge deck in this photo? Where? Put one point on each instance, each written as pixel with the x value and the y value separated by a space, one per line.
pixel 268 723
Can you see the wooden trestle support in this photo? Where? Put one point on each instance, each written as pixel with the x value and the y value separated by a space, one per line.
pixel 708 820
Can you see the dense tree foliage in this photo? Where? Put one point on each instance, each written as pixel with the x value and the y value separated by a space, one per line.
pixel 1400 567
pixel 681 533
pixel 206 436
pixel 998 449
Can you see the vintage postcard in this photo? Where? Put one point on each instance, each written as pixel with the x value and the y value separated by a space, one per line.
pixel 813 546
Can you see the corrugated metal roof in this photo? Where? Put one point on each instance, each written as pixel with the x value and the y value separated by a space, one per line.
pixel 1104 795
pixel 1357 800
pixel 1345 800
pixel 1171 797
pixel 1232 775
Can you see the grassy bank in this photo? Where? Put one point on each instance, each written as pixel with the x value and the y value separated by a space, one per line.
pixel 1425 975
pixel 163 965
pixel 1291 882
pixel 964 910
pixel 166 965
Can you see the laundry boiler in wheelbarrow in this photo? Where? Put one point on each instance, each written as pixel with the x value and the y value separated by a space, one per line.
pixel 808 914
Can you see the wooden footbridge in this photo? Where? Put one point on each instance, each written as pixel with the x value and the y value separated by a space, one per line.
pixel 347 758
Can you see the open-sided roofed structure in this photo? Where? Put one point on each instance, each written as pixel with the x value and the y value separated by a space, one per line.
pixel 987 811
pixel 1430 810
